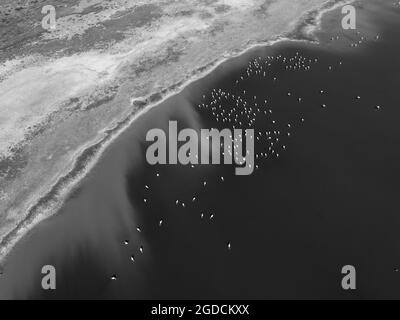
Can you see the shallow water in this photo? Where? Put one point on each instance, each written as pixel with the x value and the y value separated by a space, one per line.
pixel 329 200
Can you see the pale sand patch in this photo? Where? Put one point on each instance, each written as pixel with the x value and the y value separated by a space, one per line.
pixel 31 94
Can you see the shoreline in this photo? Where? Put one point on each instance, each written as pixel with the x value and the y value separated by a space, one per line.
pixel 86 158
pixel 312 24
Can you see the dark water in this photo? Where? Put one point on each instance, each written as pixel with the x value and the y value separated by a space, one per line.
pixel 330 199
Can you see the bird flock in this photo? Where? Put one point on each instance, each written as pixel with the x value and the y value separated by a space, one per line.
pixel 238 107
pixel 242 110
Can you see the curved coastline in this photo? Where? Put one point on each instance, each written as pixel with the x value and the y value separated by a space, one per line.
pixel 86 158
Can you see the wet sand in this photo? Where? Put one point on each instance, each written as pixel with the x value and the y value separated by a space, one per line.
pixel 329 200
